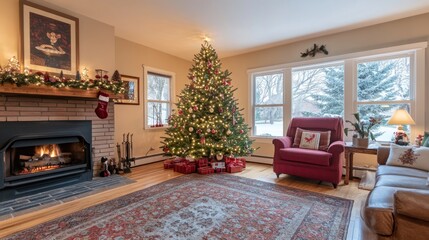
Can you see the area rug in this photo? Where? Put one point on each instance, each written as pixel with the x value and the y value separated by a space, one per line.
pixel 217 206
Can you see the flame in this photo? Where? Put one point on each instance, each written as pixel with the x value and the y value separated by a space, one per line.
pixel 52 150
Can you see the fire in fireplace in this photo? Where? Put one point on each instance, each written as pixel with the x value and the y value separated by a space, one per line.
pixel 39 156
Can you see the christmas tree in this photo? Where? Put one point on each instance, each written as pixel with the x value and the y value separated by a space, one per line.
pixel 208 121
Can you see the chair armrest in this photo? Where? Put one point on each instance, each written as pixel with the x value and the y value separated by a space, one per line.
pixel 382 154
pixel 412 204
pixel 284 142
pixel 336 147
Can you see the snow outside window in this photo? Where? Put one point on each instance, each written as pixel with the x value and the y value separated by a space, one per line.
pixel 382 87
pixel 268 104
pixel 318 91
pixel 158 100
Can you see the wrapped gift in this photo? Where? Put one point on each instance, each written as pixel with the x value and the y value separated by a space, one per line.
pixel 179 166
pixel 168 164
pixel 233 168
pixel 202 162
pixel 219 170
pixel 237 161
pixel 186 168
pixel 205 170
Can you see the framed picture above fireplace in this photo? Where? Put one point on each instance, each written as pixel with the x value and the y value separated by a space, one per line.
pixel 49 39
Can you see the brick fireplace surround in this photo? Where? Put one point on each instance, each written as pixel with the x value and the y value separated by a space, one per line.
pixel 43 108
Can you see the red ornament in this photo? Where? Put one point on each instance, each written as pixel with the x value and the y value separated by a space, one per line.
pixel 241 131
pixel 203 140
pixel 166 149
pixel 97 76
pixel 195 108
pixel 105 77
pixel 180 111
pixel 221 110
pixel 213 131
pixel 199 131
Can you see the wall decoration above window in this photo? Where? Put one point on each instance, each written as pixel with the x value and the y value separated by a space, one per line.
pixel 49 39
pixel 316 49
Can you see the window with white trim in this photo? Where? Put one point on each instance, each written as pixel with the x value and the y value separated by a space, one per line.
pixel 383 85
pixel 268 104
pixel 374 83
pixel 158 97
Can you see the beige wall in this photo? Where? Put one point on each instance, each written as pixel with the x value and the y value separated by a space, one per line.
pixel 408 30
pixel 130 118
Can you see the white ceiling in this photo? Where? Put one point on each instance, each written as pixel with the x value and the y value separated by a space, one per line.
pixel 236 26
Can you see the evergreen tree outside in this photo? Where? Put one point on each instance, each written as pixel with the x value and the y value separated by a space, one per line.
pixel 208 121
pixel 330 100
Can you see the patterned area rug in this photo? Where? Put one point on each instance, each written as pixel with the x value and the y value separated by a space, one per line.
pixel 218 206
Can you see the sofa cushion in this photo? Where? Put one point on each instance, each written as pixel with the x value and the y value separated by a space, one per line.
pixel 315 157
pixel 324 141
pixel 400 181
pixel 409 156
pixel 395 170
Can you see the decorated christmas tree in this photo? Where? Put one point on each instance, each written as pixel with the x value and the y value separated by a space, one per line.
pixel 207 122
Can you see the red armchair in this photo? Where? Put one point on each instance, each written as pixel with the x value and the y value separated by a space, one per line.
pixel 314 164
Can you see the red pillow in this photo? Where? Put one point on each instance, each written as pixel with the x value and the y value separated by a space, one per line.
pixel 325 138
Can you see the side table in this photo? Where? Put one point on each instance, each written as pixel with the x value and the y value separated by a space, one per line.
pixel 349 151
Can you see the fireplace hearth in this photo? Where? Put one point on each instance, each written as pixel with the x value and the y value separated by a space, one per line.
pixel 42 155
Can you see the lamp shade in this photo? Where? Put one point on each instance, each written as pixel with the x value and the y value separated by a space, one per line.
pixel 401 117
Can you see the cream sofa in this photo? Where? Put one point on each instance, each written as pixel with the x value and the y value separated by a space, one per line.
pixel 398 206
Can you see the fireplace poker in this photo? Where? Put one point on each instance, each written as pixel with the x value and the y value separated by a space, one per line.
pixel 118 148
pixel 123 147
pixel 131 146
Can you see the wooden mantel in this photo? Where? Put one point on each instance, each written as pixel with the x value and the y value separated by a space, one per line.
pixel 54 92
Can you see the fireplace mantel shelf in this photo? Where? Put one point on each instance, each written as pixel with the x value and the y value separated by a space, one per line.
pixel 55 92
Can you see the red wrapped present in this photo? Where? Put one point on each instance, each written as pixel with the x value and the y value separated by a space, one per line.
pixel 232 168
pixel 202 162
pixel 168 164
pixel 237 161
pixel 219 170
pixel 205 170
pixel 186 168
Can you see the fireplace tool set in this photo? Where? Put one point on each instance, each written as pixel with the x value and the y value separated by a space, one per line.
pixel 125 152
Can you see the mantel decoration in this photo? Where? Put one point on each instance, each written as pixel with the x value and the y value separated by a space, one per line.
pixel 11 74
pixel 362 130
pixel 131 90
pixel 316 49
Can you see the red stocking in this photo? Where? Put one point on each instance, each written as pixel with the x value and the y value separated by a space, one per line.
pixel 103 100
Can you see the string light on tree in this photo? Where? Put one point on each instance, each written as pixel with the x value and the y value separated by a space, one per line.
pixel 207 109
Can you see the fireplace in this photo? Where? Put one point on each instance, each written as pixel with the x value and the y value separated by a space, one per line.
pixel 42 155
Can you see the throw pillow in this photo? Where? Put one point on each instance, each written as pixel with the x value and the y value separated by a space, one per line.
pixel 325 138
pixel 409 156
pixel 310 140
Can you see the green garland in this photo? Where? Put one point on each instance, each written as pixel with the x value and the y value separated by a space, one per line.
pixel 11 75
pixel 21 79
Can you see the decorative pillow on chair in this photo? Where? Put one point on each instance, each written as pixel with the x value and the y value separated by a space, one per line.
pixel 408 156
pixel 310 140
pixel 324 141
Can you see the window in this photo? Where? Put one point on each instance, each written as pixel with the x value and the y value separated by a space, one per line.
pixel 158 97
pixel 268 104
pixel 382 87
pixel 374 83
pixel 318 91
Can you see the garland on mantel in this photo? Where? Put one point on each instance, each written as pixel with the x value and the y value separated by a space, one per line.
pixel 11 74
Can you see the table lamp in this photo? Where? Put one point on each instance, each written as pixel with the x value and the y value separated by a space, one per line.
pixel 401 117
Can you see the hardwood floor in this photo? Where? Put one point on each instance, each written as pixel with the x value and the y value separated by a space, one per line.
pixel 151 174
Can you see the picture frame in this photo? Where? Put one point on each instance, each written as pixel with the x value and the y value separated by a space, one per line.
pixel 49 39
pixel 131 94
